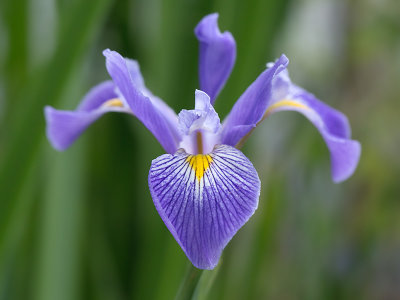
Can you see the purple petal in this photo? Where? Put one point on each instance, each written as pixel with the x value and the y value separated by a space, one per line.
pixel 238 132
pixel 138 82
pixel 97 96
pixel 250 107
pixel 333 126
pixel 143 108
pixel 217 55
pixel 204 199
pixel 345 155
pixel 64 127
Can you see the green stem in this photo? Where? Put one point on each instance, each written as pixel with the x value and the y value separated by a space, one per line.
pixel 189 283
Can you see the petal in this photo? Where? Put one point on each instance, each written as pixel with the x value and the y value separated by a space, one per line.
pixel 143 108
pixel 333 126
pixel 250 107
pixel 217 55
pixel 238 133
pixel 64 127
pixel 204 199
pixel 138 82
pixel 98 95
pixel 203 117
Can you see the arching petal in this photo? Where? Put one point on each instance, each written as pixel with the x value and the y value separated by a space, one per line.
pixel 250 107
pixel 217 55
pixel 204 199
pixel 64 127
pixel 98 95
pixel 142 107
pixel 332 125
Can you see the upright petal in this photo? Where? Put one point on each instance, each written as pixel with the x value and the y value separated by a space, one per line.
pixel 200 127
pixel 250 107
pixel 203 117
pixel 64 127
pixel 138 82
pixel 204 199
pixel 217 55
pixel 143 108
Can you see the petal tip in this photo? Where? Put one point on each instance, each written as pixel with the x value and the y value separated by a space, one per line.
pixel 112 55
pixel 284 58
pixel 282 62
pixel 107 52
pixel 207 27
pixel 345 168
pixel 200 93
pixel 50 115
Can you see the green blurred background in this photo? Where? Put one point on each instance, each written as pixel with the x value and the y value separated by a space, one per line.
pixel 82 225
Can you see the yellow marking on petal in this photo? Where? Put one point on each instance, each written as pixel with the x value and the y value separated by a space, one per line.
pixel 114 102
pixel 284 102
pixel 199 164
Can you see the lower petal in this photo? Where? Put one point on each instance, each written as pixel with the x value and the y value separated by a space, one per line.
pixel 204 199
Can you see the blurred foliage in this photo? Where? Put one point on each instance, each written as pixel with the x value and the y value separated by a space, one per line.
pixel 81 224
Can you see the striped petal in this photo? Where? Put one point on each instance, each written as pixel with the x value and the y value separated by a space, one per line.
pixel 204 199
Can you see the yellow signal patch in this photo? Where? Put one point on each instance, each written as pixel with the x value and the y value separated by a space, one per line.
pixel 199 164
pixel 284 102
pixel 115 102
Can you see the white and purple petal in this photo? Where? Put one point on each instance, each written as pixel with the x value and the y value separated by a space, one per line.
pixel 200 126
pixel 204 199
pixel 217 55
pixel 165 131
pixel 250 107
pixel 64 127
pixel 203 117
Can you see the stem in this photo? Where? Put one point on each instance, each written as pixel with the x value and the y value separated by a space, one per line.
pixel 189 283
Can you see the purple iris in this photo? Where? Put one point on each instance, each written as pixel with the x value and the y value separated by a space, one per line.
pixel 205 189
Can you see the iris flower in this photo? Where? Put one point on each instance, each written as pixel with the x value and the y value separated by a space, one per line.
pixel 204 188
